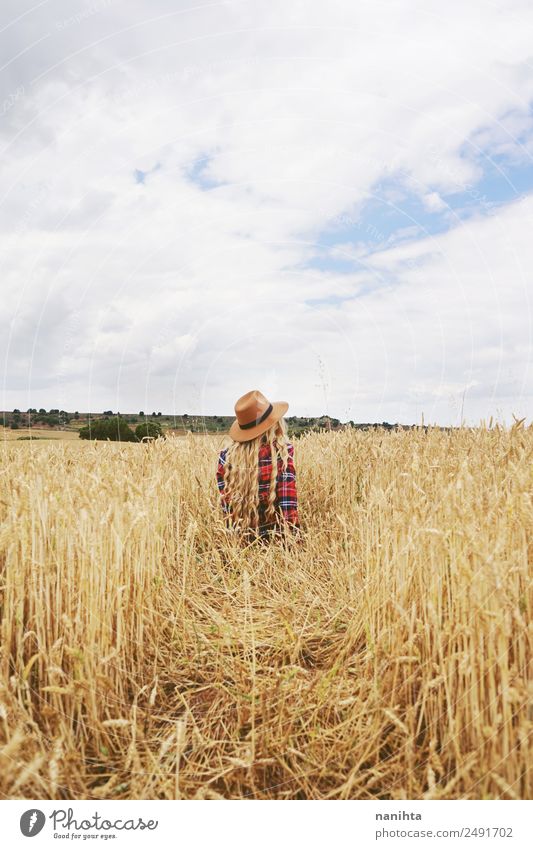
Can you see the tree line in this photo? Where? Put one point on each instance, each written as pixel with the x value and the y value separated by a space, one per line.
pixel 116 429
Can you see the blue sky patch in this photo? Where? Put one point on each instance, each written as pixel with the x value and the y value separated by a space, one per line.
pixel 140 176
pixel 197 174
pixel 501 183
pixel 382 223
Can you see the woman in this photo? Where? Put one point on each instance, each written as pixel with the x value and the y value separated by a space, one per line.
pixel 255 474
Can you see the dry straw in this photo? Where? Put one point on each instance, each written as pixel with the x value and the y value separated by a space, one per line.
pixel 144 654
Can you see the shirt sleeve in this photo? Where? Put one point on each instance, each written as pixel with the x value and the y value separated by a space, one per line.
pixel 286 490
pixel 220 479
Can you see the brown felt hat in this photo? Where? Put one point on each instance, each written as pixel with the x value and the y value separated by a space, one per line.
pixel 255 414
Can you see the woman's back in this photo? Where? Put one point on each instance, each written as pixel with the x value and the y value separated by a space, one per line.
pixel 277 502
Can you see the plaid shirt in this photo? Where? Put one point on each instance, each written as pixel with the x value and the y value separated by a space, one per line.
pixel 286 496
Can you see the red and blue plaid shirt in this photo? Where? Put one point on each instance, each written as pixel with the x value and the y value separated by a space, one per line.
pixel 286 496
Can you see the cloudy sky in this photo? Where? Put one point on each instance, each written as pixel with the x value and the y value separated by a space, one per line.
pixel 330 202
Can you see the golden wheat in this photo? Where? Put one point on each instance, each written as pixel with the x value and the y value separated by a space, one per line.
pixel 144 654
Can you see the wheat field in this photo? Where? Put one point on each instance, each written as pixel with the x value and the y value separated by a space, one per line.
pixel 147 655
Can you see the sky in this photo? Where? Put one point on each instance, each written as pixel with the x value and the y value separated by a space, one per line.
pixel 329 202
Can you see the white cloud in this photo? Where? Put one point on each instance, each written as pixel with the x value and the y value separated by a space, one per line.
pixel 297 112
pixel 433 202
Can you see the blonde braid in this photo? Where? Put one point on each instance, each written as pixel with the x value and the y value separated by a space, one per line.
pixel 270 512
pixel 241 482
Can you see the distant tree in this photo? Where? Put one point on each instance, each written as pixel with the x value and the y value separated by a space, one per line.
pixel 159 414
pixel 148 429
pixel 42 411
pixel 114 429
pixel 54 412
pixel 154 414
pixel 141 413
pixel 14 425
pixel 108 412
pixel 16 412
pixel 76 415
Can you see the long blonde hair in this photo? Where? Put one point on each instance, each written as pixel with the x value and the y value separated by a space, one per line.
pixel 241 476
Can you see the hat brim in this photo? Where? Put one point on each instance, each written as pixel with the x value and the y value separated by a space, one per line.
pixel 279 408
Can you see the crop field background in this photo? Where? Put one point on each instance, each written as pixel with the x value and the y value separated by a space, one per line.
pixel 146 654
pixel 35 434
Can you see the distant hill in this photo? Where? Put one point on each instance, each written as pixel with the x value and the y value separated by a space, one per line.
pixel 55 419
